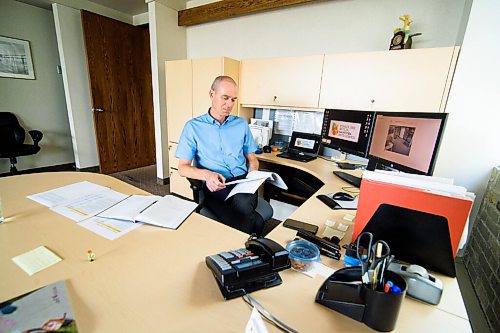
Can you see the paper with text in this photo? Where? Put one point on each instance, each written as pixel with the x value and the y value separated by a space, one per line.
pixel 428 183
pixel 129 208
pixel 168 212
pixel 63 194
pixel 109 228
pixel 89 205
pixel 36 260
pixel 254 180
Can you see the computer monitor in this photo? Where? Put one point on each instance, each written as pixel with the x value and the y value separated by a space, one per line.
pixel 347 130
pixel 406 141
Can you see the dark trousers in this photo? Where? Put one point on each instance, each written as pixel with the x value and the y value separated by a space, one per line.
pixel 238 211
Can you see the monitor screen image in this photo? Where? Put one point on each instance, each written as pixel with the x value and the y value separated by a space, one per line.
pixel 304 142
pixel 347 131
pixel 406 141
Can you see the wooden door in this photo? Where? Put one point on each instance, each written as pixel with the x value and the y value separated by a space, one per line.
pixel 119 65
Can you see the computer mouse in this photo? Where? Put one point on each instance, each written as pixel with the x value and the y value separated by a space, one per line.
pixel 342 196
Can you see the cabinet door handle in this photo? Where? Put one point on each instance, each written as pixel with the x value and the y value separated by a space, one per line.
pixel 275 98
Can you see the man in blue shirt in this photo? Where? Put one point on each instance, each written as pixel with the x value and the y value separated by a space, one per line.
pixel 223 149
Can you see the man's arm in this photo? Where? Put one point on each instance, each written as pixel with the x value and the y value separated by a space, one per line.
pixel 252 161
pixel 214 180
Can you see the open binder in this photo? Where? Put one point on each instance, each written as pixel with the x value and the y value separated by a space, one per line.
pixel 421 226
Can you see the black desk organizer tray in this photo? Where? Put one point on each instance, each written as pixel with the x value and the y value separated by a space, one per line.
pixel 344 293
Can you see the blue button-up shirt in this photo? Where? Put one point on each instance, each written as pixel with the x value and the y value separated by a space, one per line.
pixel 220 148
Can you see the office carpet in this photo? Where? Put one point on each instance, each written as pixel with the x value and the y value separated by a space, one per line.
pixel 143 178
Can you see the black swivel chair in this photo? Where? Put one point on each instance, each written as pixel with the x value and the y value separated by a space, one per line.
pixel 264 208
pixel 12 137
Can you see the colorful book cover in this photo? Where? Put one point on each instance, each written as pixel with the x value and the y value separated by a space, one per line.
pixel 47 309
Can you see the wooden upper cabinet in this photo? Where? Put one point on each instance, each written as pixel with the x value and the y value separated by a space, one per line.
pixel 179 96
pixel 406 80
pixel 287 82
pixel 204 73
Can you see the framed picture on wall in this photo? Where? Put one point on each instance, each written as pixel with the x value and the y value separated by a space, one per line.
pixel 15 58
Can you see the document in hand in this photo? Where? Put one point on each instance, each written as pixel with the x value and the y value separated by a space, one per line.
pixel 253 180
pixel 167 212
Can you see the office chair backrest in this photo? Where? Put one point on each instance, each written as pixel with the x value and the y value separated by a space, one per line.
pixel 11 132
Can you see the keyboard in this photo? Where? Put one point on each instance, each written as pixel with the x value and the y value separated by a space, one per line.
pixel 302 158
pixel 353 180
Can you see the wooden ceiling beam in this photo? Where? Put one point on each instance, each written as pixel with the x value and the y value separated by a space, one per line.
pixel 224 9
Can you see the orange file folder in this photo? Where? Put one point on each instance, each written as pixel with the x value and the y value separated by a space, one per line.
pixel 373 193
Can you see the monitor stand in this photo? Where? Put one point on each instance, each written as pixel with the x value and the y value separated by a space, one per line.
pixel 340 158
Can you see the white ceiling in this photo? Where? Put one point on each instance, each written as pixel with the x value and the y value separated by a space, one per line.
pixel 130 7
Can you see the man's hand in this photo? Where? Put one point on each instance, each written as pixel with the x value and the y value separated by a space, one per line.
pixel 214 181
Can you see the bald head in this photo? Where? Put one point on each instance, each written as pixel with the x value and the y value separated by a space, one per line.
pixel 222 78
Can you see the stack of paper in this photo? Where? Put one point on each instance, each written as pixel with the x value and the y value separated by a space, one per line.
pixel 112 214
pixel 262 131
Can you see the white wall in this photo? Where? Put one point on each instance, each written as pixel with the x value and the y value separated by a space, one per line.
pixel 326 27
pixel 471 143
pixel 39 104
pixel 69 32
pixel 167 42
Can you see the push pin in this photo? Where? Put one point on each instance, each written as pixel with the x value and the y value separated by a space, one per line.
pixel 91 255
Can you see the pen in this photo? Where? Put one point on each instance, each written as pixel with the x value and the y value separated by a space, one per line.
pixel 381 274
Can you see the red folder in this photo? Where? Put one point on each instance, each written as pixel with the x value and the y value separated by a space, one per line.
pixel 373 193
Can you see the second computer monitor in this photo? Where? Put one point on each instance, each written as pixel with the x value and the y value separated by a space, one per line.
pixel 406 141
pixel 348 131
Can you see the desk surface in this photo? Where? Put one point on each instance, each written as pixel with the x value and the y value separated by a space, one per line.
pixel 155 280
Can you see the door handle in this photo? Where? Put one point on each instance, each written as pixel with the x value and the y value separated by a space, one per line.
pixel 97 110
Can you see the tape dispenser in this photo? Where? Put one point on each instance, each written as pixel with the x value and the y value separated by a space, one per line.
pixel 421 284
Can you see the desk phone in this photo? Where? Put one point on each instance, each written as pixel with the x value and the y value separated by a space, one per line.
pixel 248 269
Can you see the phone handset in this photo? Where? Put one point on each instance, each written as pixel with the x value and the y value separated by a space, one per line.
pixel 269 251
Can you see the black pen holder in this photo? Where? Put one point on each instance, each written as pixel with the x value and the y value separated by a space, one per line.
pixel 344 293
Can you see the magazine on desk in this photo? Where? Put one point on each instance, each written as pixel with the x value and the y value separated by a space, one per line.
pixel 254 180
pixel 47 309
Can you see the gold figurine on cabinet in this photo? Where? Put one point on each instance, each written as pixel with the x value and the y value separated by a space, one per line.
pixel 402 38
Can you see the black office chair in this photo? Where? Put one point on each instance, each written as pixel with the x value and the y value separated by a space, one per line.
pixel 12 137
pixel 264 208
